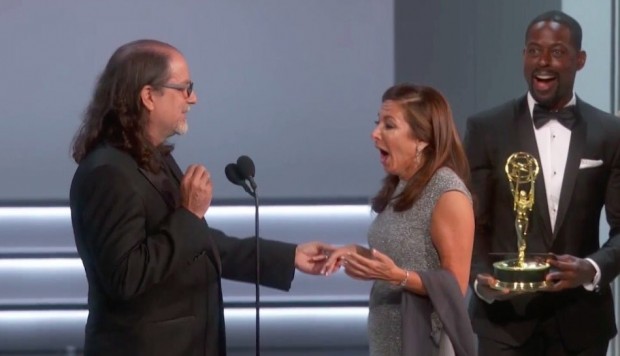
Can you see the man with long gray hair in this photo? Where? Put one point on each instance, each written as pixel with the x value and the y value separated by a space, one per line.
pixel 153 264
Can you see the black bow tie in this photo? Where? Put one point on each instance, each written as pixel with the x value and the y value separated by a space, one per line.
pixel 566 116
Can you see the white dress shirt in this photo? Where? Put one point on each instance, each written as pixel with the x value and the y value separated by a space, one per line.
pixel 553 140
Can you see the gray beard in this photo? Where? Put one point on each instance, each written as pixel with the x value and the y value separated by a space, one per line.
pixel 181 128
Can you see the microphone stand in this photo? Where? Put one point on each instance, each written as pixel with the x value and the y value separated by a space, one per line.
pixel 241 174
pixel 257 284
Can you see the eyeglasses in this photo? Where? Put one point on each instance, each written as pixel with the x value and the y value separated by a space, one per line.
pixel 187 88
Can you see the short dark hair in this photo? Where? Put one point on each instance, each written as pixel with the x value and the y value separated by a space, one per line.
pixel 115 114
pixel 561 18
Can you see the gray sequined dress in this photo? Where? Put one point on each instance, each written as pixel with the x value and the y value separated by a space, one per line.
pixel 405 237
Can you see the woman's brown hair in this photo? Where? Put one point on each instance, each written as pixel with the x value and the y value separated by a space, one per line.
pixel 429 116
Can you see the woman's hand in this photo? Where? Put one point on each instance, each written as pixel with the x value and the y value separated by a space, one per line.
pixel 375 266
pixel 334 262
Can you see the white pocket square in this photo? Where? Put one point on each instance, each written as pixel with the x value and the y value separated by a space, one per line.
pixel 590 163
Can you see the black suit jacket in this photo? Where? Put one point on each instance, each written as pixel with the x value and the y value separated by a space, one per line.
pixel 154 268
pixel 491 137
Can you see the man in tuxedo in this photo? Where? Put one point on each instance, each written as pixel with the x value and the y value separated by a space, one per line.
pixel 154 266
pixel 578 149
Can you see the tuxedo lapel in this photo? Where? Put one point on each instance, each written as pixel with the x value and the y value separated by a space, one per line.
pixel 174 167
pixel 527 140
pixel 162 184
pixel 575 152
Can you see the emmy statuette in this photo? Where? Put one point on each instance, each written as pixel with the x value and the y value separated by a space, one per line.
pixel 525 273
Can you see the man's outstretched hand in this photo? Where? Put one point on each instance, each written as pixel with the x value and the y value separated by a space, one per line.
pixel 310 257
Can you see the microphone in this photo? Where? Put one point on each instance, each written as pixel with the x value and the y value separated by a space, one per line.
pixel 240 174
pixel 247 169
pixel 235 177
